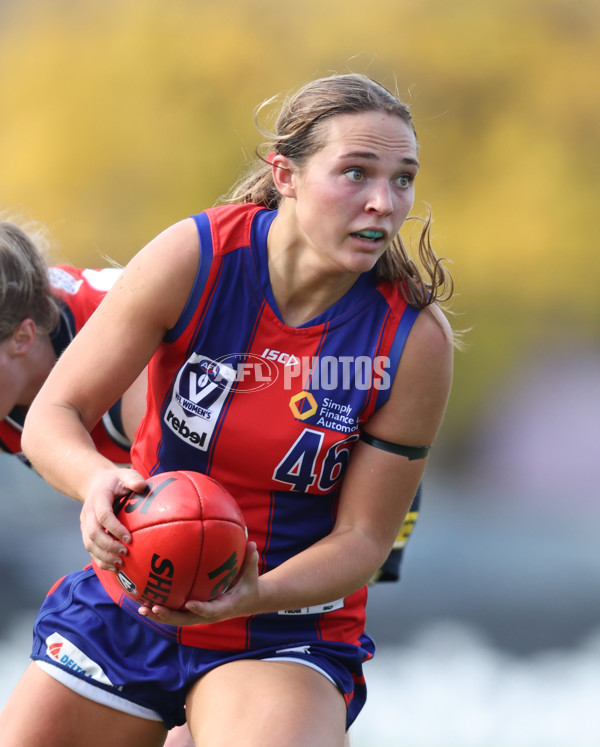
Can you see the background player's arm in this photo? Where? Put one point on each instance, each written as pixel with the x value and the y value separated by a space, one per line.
pixel 104 360
pixel 390 570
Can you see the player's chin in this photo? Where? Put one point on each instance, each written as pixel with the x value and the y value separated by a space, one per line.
pixel 361 262
pixel 363 255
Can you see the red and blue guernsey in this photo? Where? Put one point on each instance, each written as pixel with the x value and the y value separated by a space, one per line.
pixel 270 411
pixel 79 292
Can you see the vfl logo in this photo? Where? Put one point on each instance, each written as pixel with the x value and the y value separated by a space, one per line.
pixel 201 383
pixel 198 396
pixel 201 389
pixel 205 380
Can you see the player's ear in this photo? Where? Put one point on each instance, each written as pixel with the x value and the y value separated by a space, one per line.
pixel 23 338
pixel 283 175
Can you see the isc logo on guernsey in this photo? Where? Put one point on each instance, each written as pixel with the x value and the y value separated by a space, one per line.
pixel 276 355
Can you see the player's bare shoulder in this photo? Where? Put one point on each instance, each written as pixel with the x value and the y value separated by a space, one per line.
pixel 432 333
pixel 161 275
pixel 421 387
pixel 428 356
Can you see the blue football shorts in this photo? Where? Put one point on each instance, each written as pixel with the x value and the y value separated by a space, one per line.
pixel 91 645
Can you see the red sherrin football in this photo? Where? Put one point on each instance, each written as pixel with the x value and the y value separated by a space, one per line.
pixel 188 539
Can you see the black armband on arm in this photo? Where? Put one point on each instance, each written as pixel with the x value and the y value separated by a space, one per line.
pixel 411 452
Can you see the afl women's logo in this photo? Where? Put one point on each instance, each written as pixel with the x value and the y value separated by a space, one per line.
pixel 210 368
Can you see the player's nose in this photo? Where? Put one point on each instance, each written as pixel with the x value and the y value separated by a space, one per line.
pixel 380 199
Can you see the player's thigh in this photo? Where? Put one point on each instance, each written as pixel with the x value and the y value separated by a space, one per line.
pixel 179 736
pixel 266 704
pixel 42 711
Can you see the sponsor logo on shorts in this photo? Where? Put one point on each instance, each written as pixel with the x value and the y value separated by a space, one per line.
pixel 303 649
pixel 61 650
pixel 317 609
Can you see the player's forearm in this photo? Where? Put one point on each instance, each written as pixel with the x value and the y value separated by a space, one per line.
pixel 333 568
pixel 61 449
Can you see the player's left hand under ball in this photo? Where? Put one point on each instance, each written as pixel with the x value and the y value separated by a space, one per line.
pixel 240 600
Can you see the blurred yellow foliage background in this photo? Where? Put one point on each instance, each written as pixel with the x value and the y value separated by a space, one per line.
pixel 123 116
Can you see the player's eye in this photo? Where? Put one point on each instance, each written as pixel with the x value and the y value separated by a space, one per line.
pixel 354 174
pixel 405 180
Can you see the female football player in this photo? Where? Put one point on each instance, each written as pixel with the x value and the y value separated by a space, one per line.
pixel 42 308
pixel 299 356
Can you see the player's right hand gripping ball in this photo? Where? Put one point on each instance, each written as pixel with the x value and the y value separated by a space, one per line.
pixel 188 540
